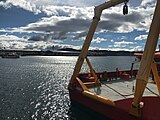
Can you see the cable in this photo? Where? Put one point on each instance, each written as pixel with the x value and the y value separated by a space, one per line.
pixel 152 92
pixel 118 92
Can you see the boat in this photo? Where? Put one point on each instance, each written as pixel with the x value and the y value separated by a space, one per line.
pixel 156 56
pixel 156 59
pixel 10 55
pixel 110 98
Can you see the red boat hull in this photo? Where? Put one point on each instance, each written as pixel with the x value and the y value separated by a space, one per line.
pixel 150 111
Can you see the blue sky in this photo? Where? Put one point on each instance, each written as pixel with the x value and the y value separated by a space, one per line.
pixel 48 24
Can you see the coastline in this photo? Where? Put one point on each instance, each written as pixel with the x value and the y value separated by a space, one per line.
pixel 68 52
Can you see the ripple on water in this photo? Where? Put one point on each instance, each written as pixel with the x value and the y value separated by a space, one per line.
pixel 35 88
pixel 53 101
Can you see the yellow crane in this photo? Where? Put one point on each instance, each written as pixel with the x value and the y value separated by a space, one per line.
pixel 147 59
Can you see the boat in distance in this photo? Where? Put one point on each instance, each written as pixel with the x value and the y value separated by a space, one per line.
pixel 10 55
pixel 112 94
pixel 156 56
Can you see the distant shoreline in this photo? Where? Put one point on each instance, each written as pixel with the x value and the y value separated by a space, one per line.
pixel 68 52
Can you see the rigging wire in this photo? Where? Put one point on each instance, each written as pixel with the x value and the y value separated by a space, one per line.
pixel 123 95
pixel 152 91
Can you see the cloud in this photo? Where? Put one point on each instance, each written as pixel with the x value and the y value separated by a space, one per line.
pixel 141 37
pixel 35 43
pixel 80 3
pixel 4 4
pixel 118 49
pixel 70 20
pixel 123 37
pixel 10 37
pixel 48 37
pixel 70 25
pixel 137 48
pixel 116 22
pixel 79 36
pixel 122 43
pixel 25 4
pixel 36 38
pixel 98 40
pixel 75 28
pixel 148 2
pixel 36 4
pixel 135 4
pixel 49 6
pixel 60 29
pixel 12 41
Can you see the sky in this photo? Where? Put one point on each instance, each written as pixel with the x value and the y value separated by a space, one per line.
pixel 56 24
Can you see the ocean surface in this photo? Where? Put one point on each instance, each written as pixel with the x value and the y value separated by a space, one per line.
pixel 35 87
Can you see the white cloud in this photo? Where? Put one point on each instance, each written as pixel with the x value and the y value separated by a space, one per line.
pixel 137 48
pixel 36 5
pixel 5 5
pixel 98 40
pixel 71 19
pixel 25 5
pixel 123 37
pixel 123 43
pixel 72 12
pixel 10 37
pixel 81 3
pixel 147 2
pixel 49 6
pixel 119 49
pixel 112 40
pixel 141 37
pixel 13 42
pixel 135 4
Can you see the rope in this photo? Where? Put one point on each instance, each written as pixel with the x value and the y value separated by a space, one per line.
pixel 152 92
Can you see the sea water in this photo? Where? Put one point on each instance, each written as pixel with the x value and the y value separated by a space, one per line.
pixel 35 87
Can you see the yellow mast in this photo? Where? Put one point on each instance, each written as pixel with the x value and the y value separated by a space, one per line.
pixel 146 62
pixel 156 76
pixel 97 14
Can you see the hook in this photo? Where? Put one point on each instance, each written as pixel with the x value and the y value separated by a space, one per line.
pixel 125 7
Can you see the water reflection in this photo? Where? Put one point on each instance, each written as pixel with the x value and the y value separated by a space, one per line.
pixel 35 88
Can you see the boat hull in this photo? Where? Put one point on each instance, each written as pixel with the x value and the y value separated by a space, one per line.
pixel 121 108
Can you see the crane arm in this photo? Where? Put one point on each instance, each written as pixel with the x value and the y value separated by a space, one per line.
pixel 97 14
pixel 98 9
